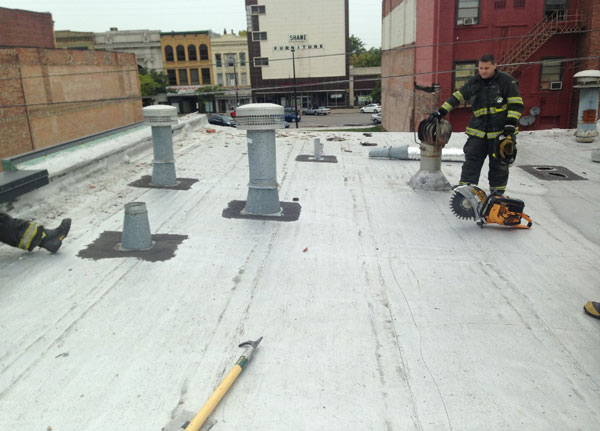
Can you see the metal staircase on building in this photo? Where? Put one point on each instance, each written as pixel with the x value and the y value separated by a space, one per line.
pixel 537 36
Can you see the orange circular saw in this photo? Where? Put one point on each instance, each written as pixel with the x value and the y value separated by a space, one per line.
pixel 471 202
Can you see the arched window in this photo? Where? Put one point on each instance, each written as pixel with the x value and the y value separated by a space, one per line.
pixel 180 53
pixel 192 53
pixel 169 53
pixel 203 52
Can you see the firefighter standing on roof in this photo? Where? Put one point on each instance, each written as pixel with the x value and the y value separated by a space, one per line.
pixel 497 106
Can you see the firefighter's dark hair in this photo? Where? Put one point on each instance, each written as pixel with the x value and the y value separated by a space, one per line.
pixel 487 58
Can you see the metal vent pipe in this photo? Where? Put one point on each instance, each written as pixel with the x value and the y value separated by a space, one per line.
pixel 588 82
pixel 260 120
pixel 161 118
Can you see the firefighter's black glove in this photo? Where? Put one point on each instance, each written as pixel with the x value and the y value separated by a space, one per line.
pixel 509 130
pixel 437 115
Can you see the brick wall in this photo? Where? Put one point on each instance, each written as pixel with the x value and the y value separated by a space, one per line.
pixel 69 94
pixel 403 105
pixel 588 44
pixel 24 28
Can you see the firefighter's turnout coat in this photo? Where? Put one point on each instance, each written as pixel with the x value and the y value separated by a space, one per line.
pixel 495 102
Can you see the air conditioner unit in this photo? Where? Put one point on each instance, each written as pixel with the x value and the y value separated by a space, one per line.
pixel 557 85
pixel 469 21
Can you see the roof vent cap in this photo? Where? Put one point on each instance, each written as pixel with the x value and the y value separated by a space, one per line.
pixel 160 115
pixel 260 116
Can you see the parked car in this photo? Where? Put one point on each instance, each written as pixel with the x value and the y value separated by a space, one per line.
pixel 376 118
pixel 372 107
pixel 291 114
pixel 222 120
pixel 321 110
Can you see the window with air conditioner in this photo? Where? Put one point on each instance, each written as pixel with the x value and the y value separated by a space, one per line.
pixel 467 12
pixel 551 74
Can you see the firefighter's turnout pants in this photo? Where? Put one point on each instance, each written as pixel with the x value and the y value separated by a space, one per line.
pixel 476 151
pixel 20 233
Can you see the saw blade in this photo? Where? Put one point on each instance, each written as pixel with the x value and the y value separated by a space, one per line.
pixel 461 207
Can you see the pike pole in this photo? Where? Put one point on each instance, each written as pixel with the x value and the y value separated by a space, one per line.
pixel 222 389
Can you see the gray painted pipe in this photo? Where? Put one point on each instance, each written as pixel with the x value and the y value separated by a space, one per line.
pixel 136 228
pixel 406 152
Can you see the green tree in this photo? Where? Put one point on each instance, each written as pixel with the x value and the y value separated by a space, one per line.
pixel 207 94
pixel 376 93
pixel 152 82
pixel 370 58
pixel 356 45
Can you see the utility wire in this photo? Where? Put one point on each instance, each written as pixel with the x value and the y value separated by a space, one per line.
pixel 238 63
pixel 323 83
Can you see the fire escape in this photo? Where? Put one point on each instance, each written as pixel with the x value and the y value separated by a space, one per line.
pixel 559 22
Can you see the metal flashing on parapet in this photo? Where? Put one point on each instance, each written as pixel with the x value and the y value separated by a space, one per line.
pixel 311 158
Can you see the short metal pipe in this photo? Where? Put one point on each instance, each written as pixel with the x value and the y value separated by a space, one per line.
pixel 263 194
pixel 318 148
pixel 136 228
pixel 163 165
pixel 588 83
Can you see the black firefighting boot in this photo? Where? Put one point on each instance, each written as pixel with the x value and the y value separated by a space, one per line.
pixel 52 238
pixel 592 308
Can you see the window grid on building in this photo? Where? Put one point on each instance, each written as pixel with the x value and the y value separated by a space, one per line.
pixel 499 4
pixel 551 71
pixel 194 77
pixel 180 50
pixel 244 78
pixel 192 53
pixel 242 58
pixel 172 76
pixel 230 60
pixel 220 79
pixel 203 52
pixel 205 75
pixel 169 53
pixel 519 3
pixel 467 12
pixel 463 71
pixel 183 78
pixel 258 10
pixel 261 61
pixel 218 60
pixel 259 35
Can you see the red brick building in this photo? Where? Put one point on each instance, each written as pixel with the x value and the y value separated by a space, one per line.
pixel 26 29
pixel 50 96
pixel 432 48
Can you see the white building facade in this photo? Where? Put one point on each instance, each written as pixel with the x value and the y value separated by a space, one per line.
pixel 145 44
pixel 231 69
pixel 311 37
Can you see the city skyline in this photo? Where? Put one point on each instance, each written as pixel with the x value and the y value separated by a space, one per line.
pixel 364 16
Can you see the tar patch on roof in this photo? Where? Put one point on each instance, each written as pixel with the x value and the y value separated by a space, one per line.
pixel 146 183
pixel 552 173
pixel 107 247
pixel 290 212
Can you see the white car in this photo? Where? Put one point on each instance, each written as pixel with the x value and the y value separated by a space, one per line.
pixel 376 118
pixel 373 107
pixel 323 110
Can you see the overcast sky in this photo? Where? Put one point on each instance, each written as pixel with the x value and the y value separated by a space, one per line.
pixel 178 15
